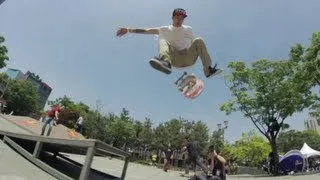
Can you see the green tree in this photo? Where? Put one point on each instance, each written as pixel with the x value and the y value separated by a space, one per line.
pixel 251 149
pixel 146 135
pixel 175 130
pixel 95 126
pixel 292 139
pixel 121 130
pixel 216 140
pixel 21 97
pixel 71 110
pixel 64 102
pixel 267 93
pixel 173 133
pixel 3 53
pixel 307 61
pixel 200 132
pixel 160 136
pixel 122 133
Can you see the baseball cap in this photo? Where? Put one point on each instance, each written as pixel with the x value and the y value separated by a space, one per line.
pixel 179 11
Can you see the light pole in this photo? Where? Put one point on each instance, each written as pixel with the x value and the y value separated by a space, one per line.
pixel 222 129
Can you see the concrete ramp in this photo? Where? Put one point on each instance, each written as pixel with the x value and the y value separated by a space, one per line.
pixel 22 134
pixel 34 126
pixel 13 166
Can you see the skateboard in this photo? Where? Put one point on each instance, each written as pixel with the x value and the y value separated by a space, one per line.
pixel 189 85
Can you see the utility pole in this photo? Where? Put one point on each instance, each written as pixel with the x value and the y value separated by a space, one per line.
pixel 222 129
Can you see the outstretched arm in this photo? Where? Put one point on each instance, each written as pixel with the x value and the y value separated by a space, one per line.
pixel 123 31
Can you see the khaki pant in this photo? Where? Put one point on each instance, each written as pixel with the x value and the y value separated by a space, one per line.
pixel 186 57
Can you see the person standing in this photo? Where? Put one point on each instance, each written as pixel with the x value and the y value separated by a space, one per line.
pixel 168 158
pixel 193 156
pixel 50 119
pixel 79 124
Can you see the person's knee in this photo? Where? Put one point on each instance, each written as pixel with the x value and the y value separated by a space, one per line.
pixel 199 40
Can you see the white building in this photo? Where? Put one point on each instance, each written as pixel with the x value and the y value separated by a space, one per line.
pixel 312 123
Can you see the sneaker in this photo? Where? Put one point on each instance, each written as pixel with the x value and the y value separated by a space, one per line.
pixel 212 71
pixel 160 65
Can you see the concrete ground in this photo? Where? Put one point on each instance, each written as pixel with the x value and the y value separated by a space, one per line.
pixel 14 167
pixel 142 172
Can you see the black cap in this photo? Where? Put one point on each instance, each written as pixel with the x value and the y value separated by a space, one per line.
pixel 179 11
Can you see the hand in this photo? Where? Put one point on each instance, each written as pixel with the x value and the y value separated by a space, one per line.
pixel 122 31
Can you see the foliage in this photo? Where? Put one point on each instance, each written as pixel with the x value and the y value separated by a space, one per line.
pixel 21 97
pixel 3 53
pixel 95 126
pixel 293 140
pixel 267 93
pixel 306 65
pixel 175 130
pixel 71 110
pixel 216 140
pixel 307 61
pixel 251 149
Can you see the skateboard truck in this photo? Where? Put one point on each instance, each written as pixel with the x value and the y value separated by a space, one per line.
pixel 184 74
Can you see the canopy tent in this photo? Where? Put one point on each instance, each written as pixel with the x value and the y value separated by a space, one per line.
pixel 292 161
pixel 307 151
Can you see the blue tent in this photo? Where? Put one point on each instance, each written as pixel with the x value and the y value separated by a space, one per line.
pixel 292 161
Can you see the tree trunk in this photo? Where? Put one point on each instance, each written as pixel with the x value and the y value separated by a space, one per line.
pixel 276 168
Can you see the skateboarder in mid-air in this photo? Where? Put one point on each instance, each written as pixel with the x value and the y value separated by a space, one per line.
pixel 178 46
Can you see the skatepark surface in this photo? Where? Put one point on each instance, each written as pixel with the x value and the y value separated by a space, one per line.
pixel 35 126
pixel 22 135
pixel 143 172
pixel 14 166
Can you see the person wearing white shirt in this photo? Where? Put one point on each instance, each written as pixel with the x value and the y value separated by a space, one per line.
pixel 79 124
pixel 178 46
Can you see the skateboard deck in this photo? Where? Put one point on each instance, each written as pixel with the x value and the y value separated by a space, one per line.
pixel 190 85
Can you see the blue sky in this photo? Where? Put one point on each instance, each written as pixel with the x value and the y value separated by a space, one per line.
pixel 72 46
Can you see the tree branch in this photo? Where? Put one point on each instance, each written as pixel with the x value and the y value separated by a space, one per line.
pixel 254 122
pixel 262 126
pixel 252 119
pixel 280 127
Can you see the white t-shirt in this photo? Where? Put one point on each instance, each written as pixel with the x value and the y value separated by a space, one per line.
pixel 178 37
pixel 80 120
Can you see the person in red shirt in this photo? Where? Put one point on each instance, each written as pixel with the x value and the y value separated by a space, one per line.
pixel 52 117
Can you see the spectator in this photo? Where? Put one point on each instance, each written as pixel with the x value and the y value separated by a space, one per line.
pixel 79 124
pixel 193 156
pixel 218 164
pixel 168 158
